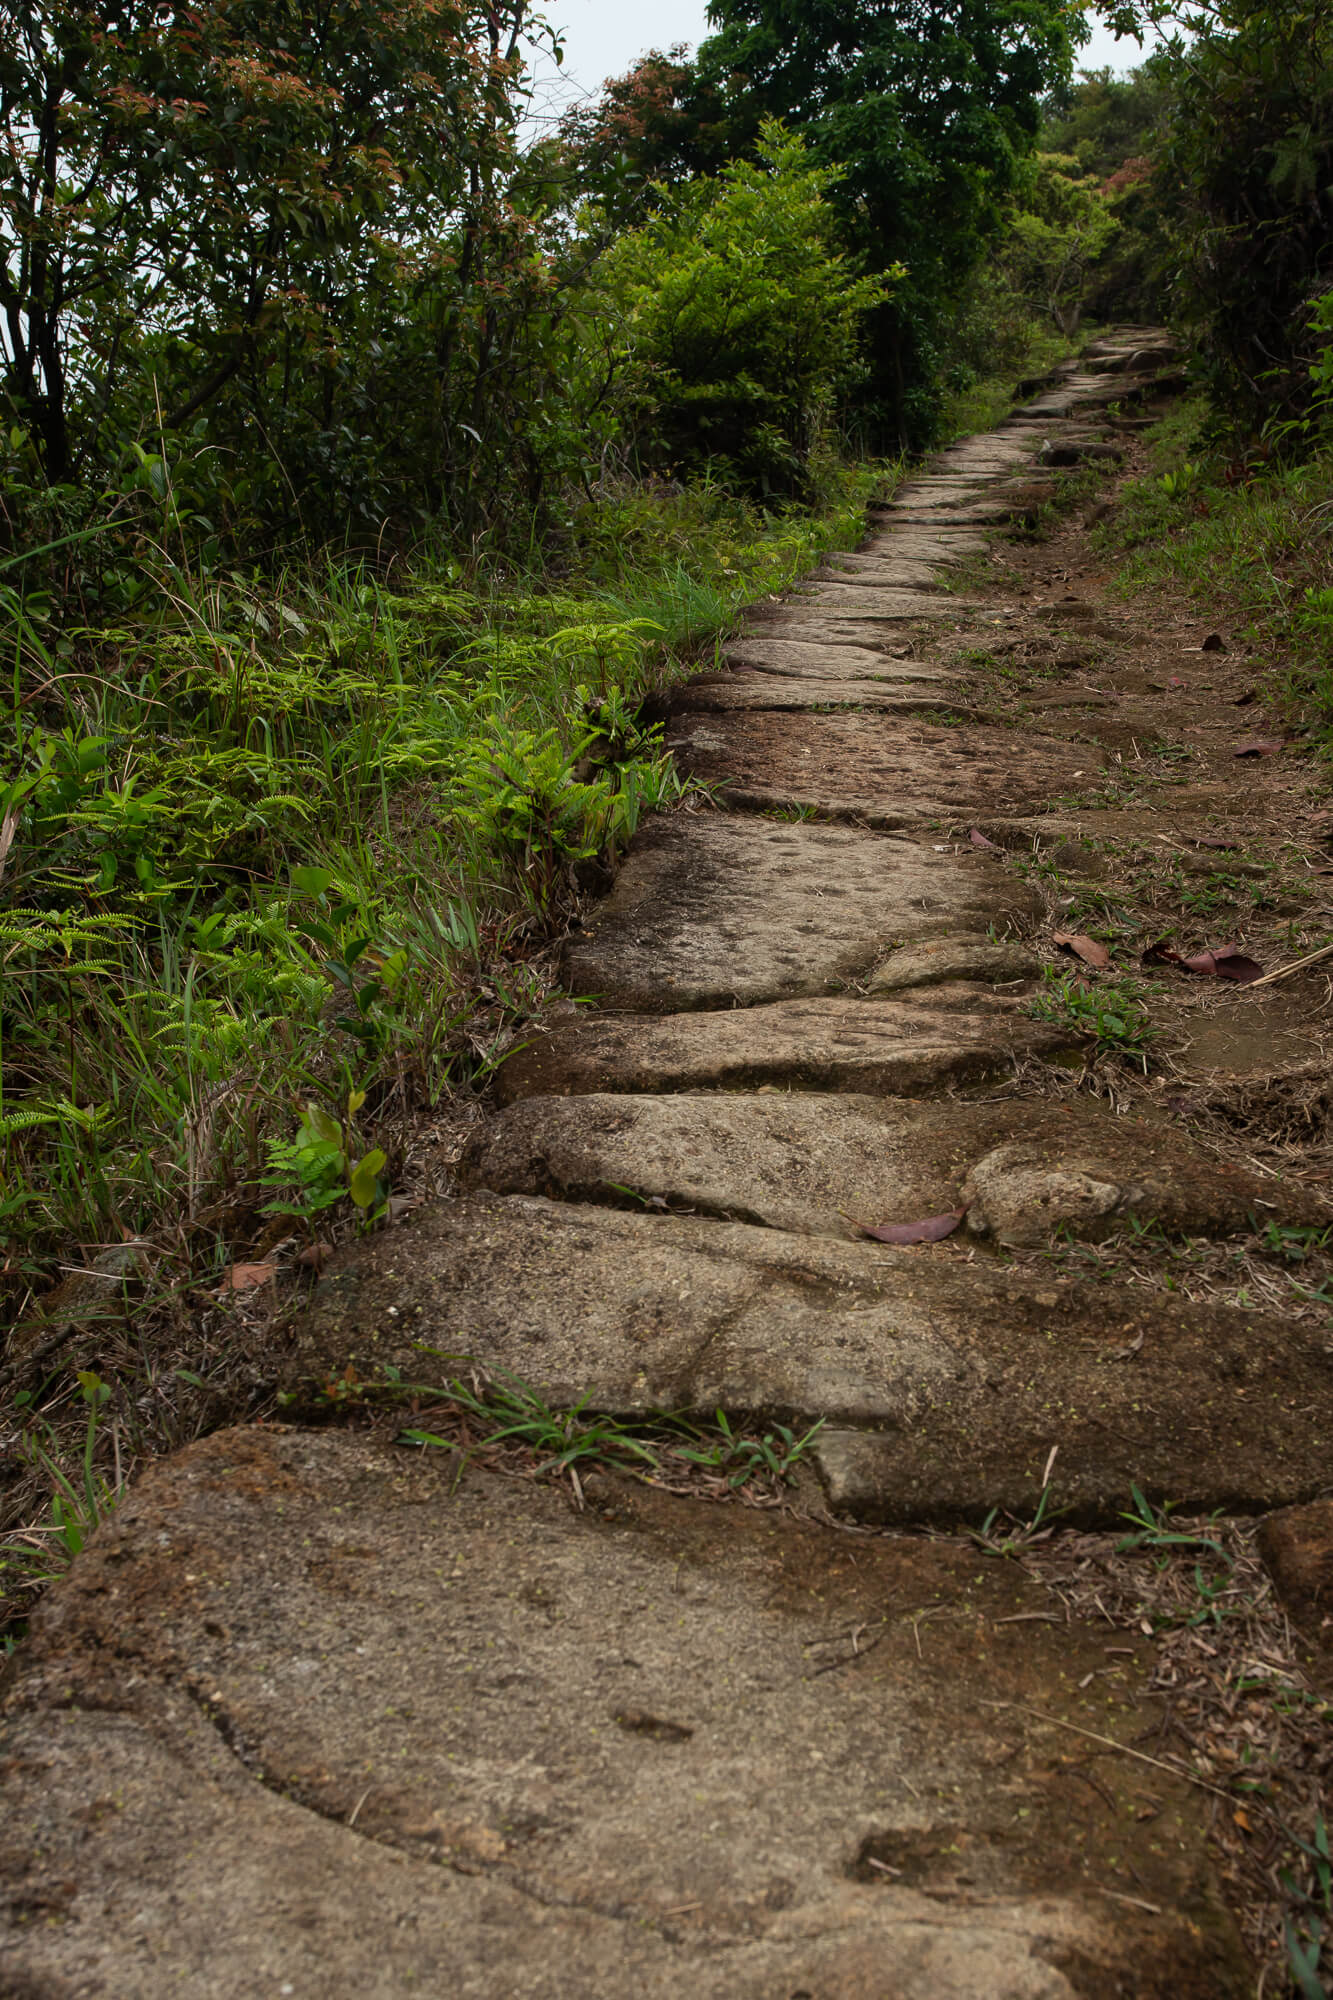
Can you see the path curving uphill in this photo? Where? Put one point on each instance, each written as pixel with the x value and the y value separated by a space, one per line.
pixel 316 1717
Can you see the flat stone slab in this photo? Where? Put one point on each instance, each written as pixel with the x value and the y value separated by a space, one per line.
pixel 859 604
pixel 805 659
pixel 754 688
pixel 885 1047
pixel 713 910
pixel 809 1163
pixel 316 1717
pixel 959 1376
pixel 851 766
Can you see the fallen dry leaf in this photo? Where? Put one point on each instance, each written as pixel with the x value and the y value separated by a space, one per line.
pixel 1244 700
pixel 1214 643
pixel 1082 947
pixel 1260 746
pixel 1224 961
pixel 315 1256
pixel 245 1277
pixel 1214 840
pixel 978 839
pixel 932 1229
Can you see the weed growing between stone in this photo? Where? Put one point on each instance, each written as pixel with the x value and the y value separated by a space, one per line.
pixel 482 1415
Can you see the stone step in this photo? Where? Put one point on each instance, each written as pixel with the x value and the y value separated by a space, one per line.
pixel 882 775
pixel 816 1164
pixel 953 1378
pixel 884 1047
pixel 714 910
pixel 317 1716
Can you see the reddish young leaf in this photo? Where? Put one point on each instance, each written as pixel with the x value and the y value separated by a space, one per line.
pixel 1214 840
pixel 933 1229
pixel 978 839
pixel 1176 682
pixel 1224 963
pixel 1260 746
pixel 1082 947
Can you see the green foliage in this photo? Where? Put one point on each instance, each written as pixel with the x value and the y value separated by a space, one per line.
pixel 926 113
pixel 1241 178
pixel 80 1496
pixel 281 845
pixel 742 319
pixel 1110 1011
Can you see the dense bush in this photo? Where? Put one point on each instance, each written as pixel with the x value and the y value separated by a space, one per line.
pixel 741 320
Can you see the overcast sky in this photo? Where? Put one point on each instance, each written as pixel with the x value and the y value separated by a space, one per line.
pixel 603 37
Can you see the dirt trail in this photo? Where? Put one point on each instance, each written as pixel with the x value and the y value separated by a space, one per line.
pixel 316 1717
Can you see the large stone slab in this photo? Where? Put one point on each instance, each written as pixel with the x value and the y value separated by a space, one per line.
pixel 960 1377
pixel 857 604
pixel 884 774
pixel 886 1047
pixel 757 688
pixel 714 910
pixel 810 1163
pixel 806 659
pixel 314 1717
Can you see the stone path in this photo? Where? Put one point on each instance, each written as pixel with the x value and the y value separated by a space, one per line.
pixel 316 1716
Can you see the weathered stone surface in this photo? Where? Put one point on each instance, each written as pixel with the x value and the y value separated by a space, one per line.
pixel 963 1376
pixel 884 774
pixel 842 1044
pixel 1297 1545
pixel 930 964
pixel 808 1162
pixel 314 1717
pixel 712 910
pixel 878 572
pixel 749 688
pixel 806 659
pixel 855 604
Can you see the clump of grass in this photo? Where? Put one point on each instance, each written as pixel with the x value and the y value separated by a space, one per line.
pixel 1110 1012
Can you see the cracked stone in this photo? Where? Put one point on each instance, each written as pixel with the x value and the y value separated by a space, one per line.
pixel 943 959
pixel 880 1047
pixel 362 1723
pixel 713 910
pixel 961 1375
pixel 809 1162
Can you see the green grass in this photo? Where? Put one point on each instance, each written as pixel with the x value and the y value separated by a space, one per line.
pixel 1110 1011
pixel 277 845
pixel 1250 538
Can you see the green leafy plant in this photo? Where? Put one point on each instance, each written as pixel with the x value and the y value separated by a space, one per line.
pixel 1111 1012
pixel 81 1497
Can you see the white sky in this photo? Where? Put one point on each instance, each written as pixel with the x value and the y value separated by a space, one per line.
pixel 603 37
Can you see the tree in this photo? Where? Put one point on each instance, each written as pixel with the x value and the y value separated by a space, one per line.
pixel 926 107
pixel 233 209
pixel 741 317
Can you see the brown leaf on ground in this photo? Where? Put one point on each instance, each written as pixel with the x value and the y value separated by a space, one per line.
pixel 1244 700
pixel 1215 840
pixel 932 1229
pixel 245 1277
pixel 315 1256
pixel 1214 643
pixel 1260 746
pixel 978 839
pixel 1082 947
pixel 1223 962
